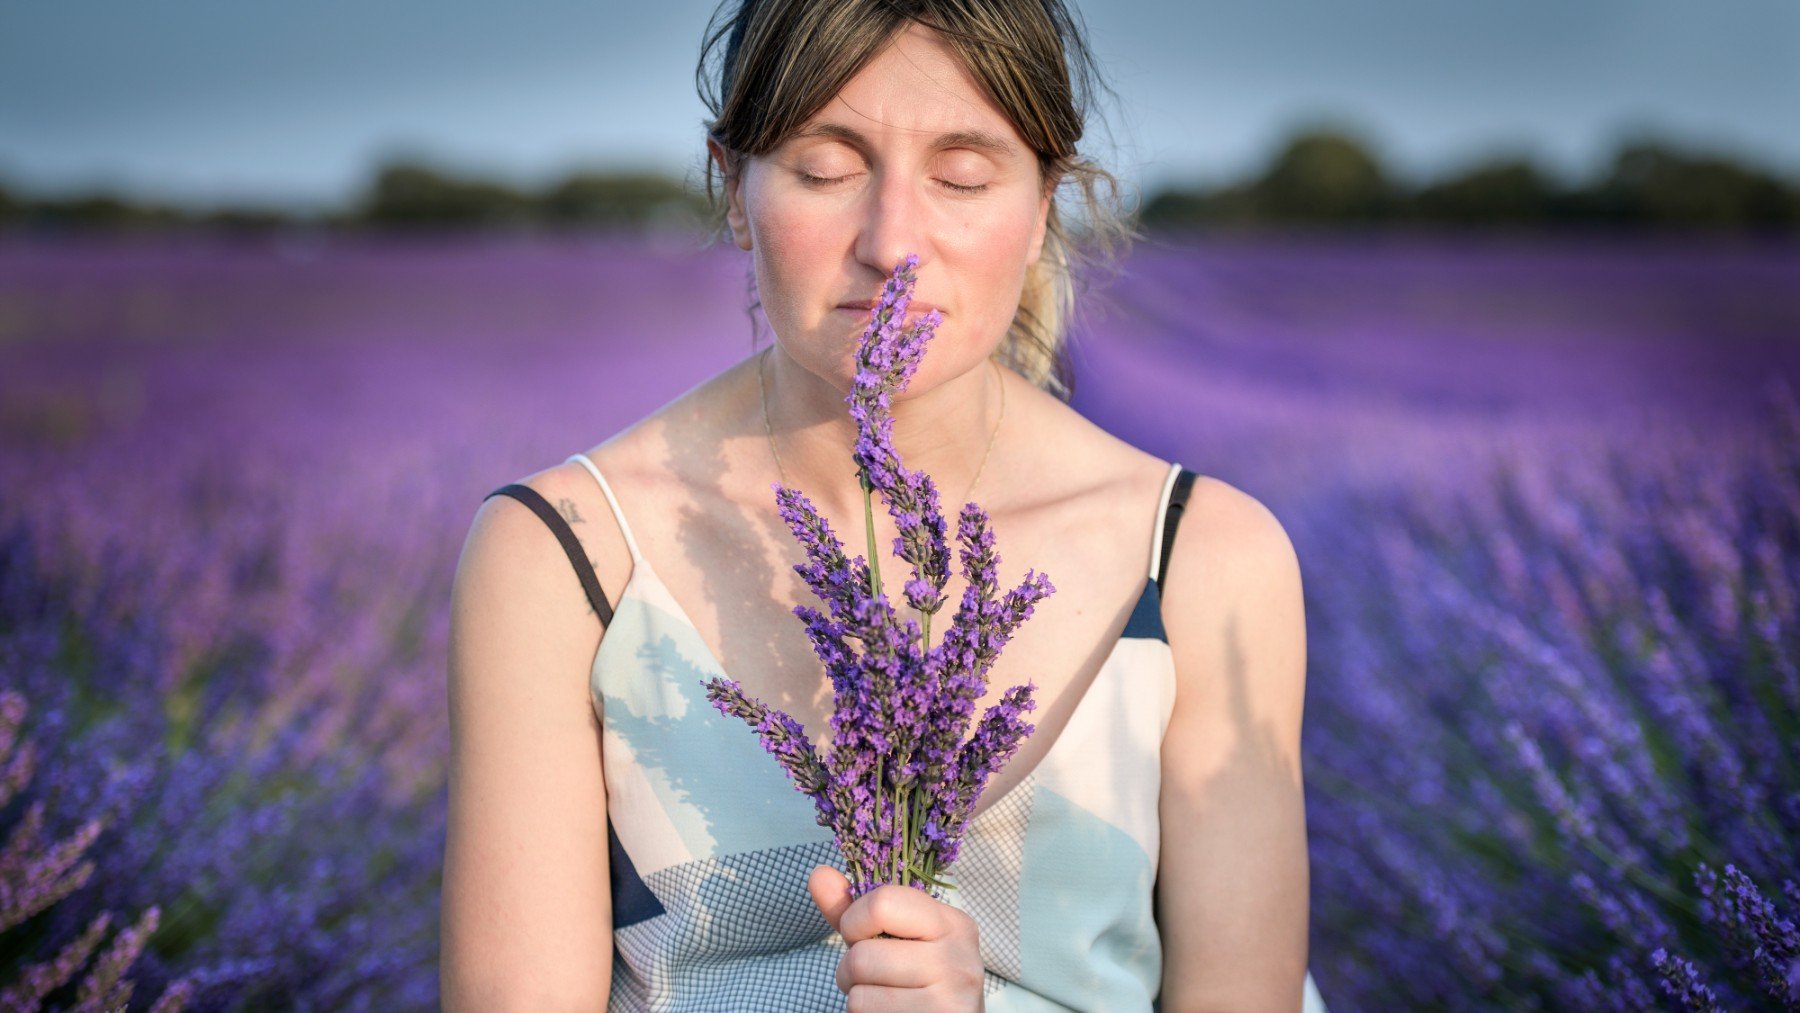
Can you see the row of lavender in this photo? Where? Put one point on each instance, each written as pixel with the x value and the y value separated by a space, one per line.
pixel 1551 548
pixel 1588 661
pixel 1549 524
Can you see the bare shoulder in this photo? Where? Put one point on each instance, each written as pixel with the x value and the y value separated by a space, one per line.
pixel 1231 541
pixel 512 554
pixel 1070 459
pixel 1233 608
pixel 519 611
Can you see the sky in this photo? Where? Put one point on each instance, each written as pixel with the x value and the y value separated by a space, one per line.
pixel 215 101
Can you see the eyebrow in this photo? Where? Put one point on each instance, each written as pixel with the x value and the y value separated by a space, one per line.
pixel 979 139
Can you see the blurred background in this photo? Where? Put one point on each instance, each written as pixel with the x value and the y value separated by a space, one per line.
pixel 1496 307
pixel 1624 114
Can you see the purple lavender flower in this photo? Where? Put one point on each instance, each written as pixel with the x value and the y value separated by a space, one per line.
pixel 899 783
pixel 1752 924
pixel 36 873
pixel 1682 981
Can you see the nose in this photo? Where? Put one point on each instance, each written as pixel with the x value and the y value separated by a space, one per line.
pixel 893 225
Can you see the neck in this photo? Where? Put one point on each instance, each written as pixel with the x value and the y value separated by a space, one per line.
pixel 943 430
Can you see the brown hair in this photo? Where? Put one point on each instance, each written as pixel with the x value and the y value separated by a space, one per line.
pixel 785 59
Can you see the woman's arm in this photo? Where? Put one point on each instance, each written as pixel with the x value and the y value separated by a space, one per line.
pixel 1233 882
pixel 527 901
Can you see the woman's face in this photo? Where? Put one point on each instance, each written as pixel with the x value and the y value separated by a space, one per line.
pixel 909 157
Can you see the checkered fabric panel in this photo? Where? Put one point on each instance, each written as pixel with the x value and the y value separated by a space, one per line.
pixel 987 872
pixel 739 932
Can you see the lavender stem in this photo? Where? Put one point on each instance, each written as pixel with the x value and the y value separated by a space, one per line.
pixel 868 488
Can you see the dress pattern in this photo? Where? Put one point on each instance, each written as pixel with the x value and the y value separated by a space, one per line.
pixel 711 845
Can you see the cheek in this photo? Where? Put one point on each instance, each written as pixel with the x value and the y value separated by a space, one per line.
pixel 992 262
pixel 788 244
pixel 785 226
pixel 1008 236
pixel 797 250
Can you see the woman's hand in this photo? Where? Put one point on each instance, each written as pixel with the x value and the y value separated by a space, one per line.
pixel 934 964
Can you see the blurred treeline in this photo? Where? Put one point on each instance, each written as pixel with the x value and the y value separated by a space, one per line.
pixel 1322 176
pixel 1330 177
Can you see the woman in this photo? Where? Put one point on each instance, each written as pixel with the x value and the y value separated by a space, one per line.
pixel 1147 840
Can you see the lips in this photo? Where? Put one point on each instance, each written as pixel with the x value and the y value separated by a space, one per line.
pixel 915 308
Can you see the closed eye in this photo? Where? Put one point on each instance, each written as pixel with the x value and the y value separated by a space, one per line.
pixel 823 181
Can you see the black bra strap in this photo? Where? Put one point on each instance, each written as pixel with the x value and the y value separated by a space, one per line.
pixel 590 582
pixel 1184 482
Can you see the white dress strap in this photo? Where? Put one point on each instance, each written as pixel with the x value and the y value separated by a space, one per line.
pixel 612 501
pixel 1162 514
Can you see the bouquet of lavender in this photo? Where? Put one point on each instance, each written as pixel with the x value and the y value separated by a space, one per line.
pixel 899 784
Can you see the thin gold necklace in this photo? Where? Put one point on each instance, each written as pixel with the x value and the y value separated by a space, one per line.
pixel 770 429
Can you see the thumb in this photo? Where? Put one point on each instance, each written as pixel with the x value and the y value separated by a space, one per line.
pixel 830 890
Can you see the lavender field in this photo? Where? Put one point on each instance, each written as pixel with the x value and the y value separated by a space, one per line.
pixel 1545 494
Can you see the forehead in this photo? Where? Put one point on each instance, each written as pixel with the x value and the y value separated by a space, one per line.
pixel 916 91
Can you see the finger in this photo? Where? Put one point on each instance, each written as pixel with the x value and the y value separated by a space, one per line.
pixel 882 999
pixel 896 910
pixel 830 891
pixel 895 962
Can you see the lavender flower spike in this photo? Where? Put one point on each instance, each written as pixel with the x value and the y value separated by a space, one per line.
pixel 886 362
pixel 782 736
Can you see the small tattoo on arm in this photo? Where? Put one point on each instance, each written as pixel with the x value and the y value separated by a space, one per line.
pixel 566 507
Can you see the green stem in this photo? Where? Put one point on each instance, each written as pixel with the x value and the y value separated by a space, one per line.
pixel 913 821
pixel 931 878
pixel 928 870
pixel 868 489
pixel 905 850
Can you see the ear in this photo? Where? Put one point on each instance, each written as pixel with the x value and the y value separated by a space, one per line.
pixel 734 204
pixel 1043 225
